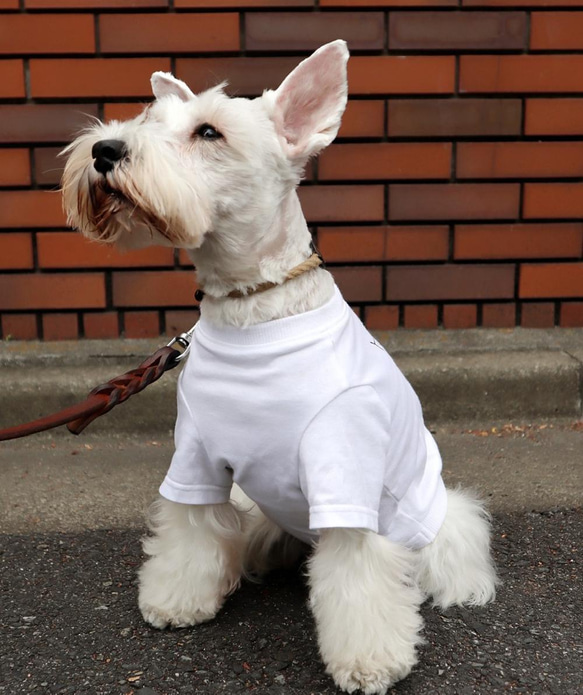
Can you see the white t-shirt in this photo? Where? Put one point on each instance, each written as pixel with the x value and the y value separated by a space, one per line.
pixel 311 417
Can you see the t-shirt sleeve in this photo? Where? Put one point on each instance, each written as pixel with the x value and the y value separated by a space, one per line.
pixel 192 478
pixel 342 460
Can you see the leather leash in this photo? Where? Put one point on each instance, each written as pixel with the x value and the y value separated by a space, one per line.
pixel 106 396
pixel 117 390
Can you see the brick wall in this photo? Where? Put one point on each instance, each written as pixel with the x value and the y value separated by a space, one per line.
pixel 453 196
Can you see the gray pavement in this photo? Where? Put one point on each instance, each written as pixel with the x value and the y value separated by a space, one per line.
pixel 506 410
pixel 71 515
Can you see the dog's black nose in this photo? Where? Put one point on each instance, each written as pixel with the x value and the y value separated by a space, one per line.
pixel 106 153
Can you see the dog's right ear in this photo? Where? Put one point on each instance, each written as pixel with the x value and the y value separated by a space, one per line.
pixel 163 84
pixel 309 103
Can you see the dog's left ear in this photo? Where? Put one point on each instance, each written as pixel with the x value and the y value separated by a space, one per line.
pixel 163 84
pixel 309 103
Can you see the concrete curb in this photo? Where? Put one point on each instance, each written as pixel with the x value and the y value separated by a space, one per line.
pixel 459 375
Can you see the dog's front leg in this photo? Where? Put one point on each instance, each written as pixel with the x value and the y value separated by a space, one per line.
pixel 195 561
pixel 366 609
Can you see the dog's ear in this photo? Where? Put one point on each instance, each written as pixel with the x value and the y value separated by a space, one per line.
pixel 309 103
pixel 163 84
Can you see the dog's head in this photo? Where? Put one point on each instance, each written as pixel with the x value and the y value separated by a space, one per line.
pixel 190 164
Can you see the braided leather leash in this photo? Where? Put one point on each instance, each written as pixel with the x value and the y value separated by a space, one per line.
pixel 117 390
pixel 106 396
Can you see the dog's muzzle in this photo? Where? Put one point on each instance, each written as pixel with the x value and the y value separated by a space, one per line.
pixel 106 153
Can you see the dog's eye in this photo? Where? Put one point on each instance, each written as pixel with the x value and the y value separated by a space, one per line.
pixel 207 132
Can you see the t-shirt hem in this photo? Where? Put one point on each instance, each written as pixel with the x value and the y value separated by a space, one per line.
pixel 343 516
pixel 200 494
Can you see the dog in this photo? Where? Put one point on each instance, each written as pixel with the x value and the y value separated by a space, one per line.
pixel 295 427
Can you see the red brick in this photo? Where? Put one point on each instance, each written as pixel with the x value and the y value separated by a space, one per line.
pixel 363 119
pixel 460 316
pixel 556 30
pixel 245 76
pixel 450 282
pixel 362 284
pixel 571 314
pixel 71 250
pixel 11 79
pixel 301 31
pixel 421 316
pixel 94 77
pixel 48 166
pixel 554 117
pixel 453 201
pixel 428 31
pixel 60 326
pixel 401 75
pixel 521 3
pixel 521 73
pixel 454 117
pixel 180 321
pixel 386 161
pixel 536 240
pixel 141 324
pixel 409 243
pixel 154 288
pixel 553 200
pixel 352 243
pixel 122 111
pixel 19 327
pixel 101 326
pixel 9 4
pixel 551 280
pixel 539 315
pixel 242 3
pixel 184 258
pixel 498 315
pixel 14 168
pixel 31 209
pixel 16 251
pixel 382 318
pixel 44 122
pixel 47 33
pixel 387 3
pixel 86 4
pixel 164 33
pixel 491 160
pixel 343 203
pixel 52 291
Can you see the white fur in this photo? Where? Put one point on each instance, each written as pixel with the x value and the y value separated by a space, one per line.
pixel 366 608
pixel 232 203
pixel 456 569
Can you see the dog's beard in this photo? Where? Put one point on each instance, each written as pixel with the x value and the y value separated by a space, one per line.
pixel 131 206
pixel 118 213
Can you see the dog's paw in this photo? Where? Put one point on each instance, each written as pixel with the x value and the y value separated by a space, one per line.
pixel 176 600
pixel 370 677
pixel 163 618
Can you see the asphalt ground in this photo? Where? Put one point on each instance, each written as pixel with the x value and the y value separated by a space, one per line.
pixel 71 515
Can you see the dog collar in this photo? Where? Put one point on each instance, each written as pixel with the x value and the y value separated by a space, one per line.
pixel 309 264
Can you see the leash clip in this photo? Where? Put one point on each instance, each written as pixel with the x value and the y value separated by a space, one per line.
pixel 183 342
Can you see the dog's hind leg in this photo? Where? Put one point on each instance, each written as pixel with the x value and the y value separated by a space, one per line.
pixel 196 560
pixel 457 567
pixel 267 546
pixel 366 608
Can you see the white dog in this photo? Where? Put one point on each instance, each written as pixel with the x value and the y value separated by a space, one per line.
pixel 285 392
